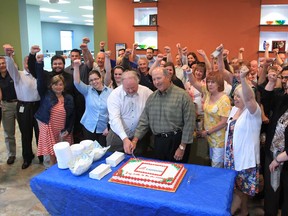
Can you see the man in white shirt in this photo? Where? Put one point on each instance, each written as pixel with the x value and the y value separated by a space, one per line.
pixel 28 102
pixel 125 105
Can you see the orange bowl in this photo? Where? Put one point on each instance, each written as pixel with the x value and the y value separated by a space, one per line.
pixel 269 22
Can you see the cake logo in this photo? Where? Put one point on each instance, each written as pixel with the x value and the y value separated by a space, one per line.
pixel 152 169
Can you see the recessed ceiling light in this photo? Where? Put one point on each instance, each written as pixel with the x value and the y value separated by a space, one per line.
pixel 86 7
pixel 49 10
pixel 89 21
pixel 64 21
pixel 58 17
pixel 88 16
pixel 60 1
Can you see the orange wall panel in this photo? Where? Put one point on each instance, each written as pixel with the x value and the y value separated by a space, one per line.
pixel 197 24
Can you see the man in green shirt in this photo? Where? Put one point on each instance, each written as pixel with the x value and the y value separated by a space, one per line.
pixel 170 113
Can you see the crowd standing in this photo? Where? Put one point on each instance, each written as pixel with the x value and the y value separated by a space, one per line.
pixel 149 103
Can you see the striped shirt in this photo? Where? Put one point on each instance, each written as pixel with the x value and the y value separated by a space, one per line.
pixel 166 112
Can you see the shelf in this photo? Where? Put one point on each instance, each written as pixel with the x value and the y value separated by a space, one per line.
pixel 277 28
pixel 146 39
pixel 145 26
pixel 143 16
pixel 274 12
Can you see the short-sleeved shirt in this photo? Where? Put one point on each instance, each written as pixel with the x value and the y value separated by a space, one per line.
pixel 212 116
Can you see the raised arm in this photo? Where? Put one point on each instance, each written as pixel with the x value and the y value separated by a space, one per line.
pixel 133 54
pixel 227 75
pixel 125 60
pixel 88 58
pixel 266 55
pixel 179 51
pixel 192 78
pixel 184 56
pixel 240 55
pixel 167 50
pixel 206 60
pixel 248 94
pixel 156 63
pixel 76 72
pixel 107 65
pixel 41 78
pixel 277 57
pixel 32 60
pixel 10 66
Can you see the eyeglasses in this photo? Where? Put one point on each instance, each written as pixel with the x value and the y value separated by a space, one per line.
pixel 95 79
pixel 284 77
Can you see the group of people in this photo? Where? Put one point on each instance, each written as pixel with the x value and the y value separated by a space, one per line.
pixel 149 102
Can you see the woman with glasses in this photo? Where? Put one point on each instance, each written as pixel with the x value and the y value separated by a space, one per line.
pixel 95 117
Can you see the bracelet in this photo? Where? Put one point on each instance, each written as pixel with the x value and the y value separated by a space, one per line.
pixel 207 132
pixel 277 160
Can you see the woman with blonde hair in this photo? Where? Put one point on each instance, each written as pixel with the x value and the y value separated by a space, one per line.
pixel 242 143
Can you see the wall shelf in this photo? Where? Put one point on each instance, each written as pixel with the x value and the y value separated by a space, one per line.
pixel 274 32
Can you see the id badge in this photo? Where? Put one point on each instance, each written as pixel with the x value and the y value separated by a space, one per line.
pixel 21 109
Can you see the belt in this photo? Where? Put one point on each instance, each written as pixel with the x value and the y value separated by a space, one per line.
pixel 10 101
pixel 168 134
pixel 28 102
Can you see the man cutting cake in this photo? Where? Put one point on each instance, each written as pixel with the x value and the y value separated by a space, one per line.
pixel 170 114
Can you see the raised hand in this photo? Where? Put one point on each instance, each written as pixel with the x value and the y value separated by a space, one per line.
pixel 241 50
pixel 108 53
pixel 201 52
pixel 8 49
pixel 134 46
pixel 244 70
pixel 167 49
pixel 84 46
pixel 85 40
pixel 35 49
pixel 128 52
pixel 160 57
pixel 102 45
pixel 185 51
pixel 76 63
pixel 267 45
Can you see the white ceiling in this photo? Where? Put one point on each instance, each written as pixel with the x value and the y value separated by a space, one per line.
pixel 70 10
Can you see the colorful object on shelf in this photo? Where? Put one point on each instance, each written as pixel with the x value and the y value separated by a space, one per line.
pixel 142 46
pixel 269 22
pixel 280 22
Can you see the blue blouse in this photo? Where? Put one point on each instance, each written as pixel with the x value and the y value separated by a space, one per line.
pixel 95 117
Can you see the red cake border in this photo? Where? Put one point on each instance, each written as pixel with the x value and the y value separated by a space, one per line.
pixel 177 178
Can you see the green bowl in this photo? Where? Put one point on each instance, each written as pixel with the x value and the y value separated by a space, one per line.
pixel 280 22
pixel 142 46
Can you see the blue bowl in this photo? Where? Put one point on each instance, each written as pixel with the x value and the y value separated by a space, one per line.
pixel 280 22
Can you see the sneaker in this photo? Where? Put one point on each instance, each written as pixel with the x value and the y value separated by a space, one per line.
pixel 11 160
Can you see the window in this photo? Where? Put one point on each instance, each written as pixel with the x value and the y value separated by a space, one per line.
pixel 66 40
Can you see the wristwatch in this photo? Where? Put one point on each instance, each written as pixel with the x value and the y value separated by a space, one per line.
pixel 182 148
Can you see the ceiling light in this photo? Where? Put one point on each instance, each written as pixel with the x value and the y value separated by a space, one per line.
pixel 59 2
pixel 88 16
pixel 90 24
pixel 86 7
pixel 64 21
pixel 58 17
pixel 89 21
pixel 49 10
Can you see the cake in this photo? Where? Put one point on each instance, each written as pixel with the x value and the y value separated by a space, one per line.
pixel 156 175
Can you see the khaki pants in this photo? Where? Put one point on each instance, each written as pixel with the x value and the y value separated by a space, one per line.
pixel 8 121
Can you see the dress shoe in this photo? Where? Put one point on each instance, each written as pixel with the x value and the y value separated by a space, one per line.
pixel 11 160
pixel 26 164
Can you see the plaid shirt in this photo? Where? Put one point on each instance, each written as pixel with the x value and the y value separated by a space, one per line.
pixel 166 112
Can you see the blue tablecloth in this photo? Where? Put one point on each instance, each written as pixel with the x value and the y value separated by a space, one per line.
pixel 208 193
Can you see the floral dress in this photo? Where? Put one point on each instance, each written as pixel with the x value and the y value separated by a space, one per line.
pixel 247 180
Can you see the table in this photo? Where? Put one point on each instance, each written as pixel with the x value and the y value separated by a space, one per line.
pixel 209 193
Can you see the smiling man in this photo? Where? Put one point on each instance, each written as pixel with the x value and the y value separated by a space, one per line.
pixel 170 114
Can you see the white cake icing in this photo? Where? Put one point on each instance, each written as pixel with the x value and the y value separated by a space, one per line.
pixel 152 174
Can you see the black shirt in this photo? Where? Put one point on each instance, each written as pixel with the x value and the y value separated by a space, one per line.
pixel 7 88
